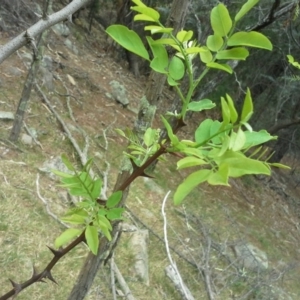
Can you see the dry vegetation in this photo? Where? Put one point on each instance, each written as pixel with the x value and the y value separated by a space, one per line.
pixel 201 231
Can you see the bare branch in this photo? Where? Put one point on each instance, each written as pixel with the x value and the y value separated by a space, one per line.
pixel 39 27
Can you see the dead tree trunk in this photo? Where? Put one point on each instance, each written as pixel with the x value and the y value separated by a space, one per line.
pixel 37 53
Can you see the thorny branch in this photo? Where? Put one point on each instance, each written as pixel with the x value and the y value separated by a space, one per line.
pixel 58 254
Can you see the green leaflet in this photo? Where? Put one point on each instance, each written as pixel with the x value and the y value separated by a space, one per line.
pixel 218 66
pixel 233 112
pixel 201 105
pixel 115 213
pixel 240 165
pixel 254 138
pixel 190 162
pixel 206 56
pixel 220 20
pixel 245 9
pixel 251 39
pixel 176 68
pixel 67 236
pixel 247 110
pixel 220 177
pixel 189 184
pixel 214 42
pixel 158 29
pixel 149 136
pixel 114 199
pixel 92 239
pixel 184 36
pixel 238 53
pixel 160 61
pixel 128 39
pixel 146 14
pixel 237 140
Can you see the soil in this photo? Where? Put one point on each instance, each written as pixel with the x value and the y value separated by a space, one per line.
pixel 262 211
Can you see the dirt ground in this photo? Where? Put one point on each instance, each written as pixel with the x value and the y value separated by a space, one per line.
pixel 262 211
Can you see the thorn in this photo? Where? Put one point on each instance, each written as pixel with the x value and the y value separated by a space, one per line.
pixel 17 287
pixel 56 253
pixel 146 175
pixel 134 165
pixel 49 276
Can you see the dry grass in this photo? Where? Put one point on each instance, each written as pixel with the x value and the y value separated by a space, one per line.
pixel 248 211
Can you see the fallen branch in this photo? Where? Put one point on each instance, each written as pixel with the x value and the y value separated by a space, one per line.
pixel 122 282
pixel 172 271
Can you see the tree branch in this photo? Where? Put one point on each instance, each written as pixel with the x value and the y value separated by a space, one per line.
pixel 39 27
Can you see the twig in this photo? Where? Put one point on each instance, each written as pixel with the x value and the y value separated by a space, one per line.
pixel 112 278
pixel 183 289
pixel 33 137
pixel 49 212
pixel 122 282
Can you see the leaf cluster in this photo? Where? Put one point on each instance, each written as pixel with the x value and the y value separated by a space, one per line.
pixel 89 214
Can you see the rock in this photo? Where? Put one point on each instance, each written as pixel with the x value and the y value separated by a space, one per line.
pixel 26 139
pixel 61 29
pixel 138 247
pixel 56 164
pixel 13 71
pixel 47 78
pixel 47 62
pixel 6 115
pixel 251 257
pixel 71 46
pixel 118 93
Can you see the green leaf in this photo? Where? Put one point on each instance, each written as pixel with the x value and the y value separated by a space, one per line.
pixel 176 68
pixel 240 165
pixel 62 174
pixel 114 199
pixel 238 53
pixel 190 162
pixel 250 39
pixel 149 137
pixel 103 222
pixel 158 29
pixel 193 50
pixel 225 111
pixel 173 138
pixel 96 188
pixel 67 236
pixel 233 112
pixel 189 184
pixel 202 133
pixel 146 14
pixel 245 8
pixel 80 192
pixel 183 35
pixel 115 213
pixel 120 132
pixel 254 138
pixel 277 165
pixel 171 81
pixel 220 20
pixel 92 239
pixel 237 140
pixel 67 163
pixel 74 219
pixel 201 105
pixel 128 39
pixel 214 42
pixel 247 110
pixel 206 56
pixel 139 3
pixel 218 66
pixel 220 177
